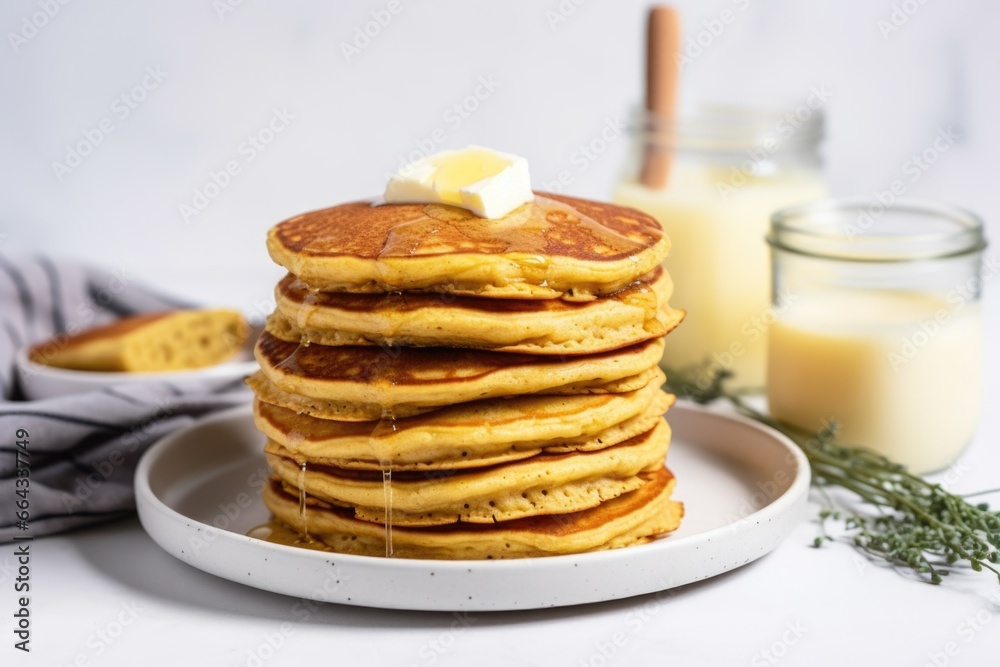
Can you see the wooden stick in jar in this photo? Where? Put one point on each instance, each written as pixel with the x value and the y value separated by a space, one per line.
pixel 663 43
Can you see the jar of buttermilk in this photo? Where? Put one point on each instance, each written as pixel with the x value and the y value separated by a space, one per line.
pixel 729 169
pixel 879 326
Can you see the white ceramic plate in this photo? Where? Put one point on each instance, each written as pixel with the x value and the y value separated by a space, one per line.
pixel 744 488
pixel 39 381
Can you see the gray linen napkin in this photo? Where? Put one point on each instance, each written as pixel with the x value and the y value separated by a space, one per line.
pixel 82 449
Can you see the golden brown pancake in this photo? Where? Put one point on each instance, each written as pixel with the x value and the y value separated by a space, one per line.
pixel 543 484
pixel 435 376
pixel 467 435
pixel 630 519
pixel 323 408
pixel 554 247
pixel 550 327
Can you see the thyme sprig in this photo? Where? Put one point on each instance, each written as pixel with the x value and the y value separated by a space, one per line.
pixel 902 518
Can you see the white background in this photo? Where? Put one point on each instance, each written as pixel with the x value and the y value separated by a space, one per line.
pixel 560 82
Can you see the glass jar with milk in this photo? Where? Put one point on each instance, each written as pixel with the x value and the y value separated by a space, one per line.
pixel 879 326
pixel 729 169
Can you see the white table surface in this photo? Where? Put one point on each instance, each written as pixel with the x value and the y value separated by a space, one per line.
pixel 110 596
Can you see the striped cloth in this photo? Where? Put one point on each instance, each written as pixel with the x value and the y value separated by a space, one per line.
pixel 82 449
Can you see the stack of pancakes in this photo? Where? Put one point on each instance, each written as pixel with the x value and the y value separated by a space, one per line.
pixel 438 385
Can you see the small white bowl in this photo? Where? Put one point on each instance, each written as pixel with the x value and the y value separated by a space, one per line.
pixel 39 381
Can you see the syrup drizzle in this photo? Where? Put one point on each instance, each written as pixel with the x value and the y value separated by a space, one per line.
pixel 385 427
pixel 276 532
pixel 387 499
pixel 530 235
pixel 386 424
pixel 303 515
pixel 304 312
pixel 535 231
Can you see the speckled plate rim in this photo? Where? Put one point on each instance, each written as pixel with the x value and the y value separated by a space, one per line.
pixel 769 459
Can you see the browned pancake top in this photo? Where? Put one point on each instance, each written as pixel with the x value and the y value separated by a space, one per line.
pixel 296 291
pixel 552 225
pixel 399 365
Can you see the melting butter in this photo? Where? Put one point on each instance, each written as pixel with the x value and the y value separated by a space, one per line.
pixel 489 183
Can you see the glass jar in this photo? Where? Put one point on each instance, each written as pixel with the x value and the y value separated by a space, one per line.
pixel 730 168
pixel 878 326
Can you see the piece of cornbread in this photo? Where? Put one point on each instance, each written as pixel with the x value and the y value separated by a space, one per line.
pixel 168 341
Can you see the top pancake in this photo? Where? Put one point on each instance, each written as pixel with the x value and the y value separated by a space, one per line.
pixel 553 247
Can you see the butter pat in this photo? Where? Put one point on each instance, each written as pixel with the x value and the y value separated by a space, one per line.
pixel 488 183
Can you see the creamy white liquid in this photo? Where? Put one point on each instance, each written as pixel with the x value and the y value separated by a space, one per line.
pixel 901 372
pixel 719 260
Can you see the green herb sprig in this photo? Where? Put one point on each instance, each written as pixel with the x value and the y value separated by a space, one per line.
pixel 902 518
